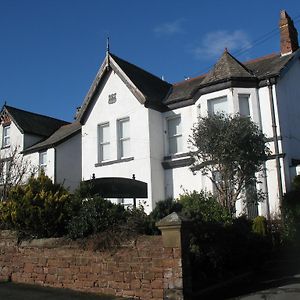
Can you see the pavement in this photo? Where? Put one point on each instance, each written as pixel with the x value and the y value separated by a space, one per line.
pixel 14 291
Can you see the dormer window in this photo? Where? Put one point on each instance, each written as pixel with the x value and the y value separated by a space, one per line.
pixel 6 136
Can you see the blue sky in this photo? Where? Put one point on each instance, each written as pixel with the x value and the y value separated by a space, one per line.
pixel 50 50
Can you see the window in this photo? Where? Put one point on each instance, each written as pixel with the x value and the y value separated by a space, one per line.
pixel 174 135
pixel 218 105
pixel 43 161
pixel 104 142
pixel 123 138
pixel 244 105
pixel 6 136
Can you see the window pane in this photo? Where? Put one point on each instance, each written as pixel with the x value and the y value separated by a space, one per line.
pixel 244 105
pixel 43 158
pixel 124 138
pixel 104 142
pixel 124 129
pixel 219 105
pixel 174 135
pixel 6 136
pixel 104 133
pixel 174 126
pixel 175 144
pixel 104 150
pixel 125 148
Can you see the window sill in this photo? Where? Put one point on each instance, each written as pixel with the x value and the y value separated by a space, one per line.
pixel 177 161
pixel 176 155
pixel 5 147
pixel 112 162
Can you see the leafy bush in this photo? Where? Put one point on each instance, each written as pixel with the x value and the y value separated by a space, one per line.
pixel 94 215
pixel 291 216
pixel 259 225
pixel 161 210
pixel 203 206
pixel 38 208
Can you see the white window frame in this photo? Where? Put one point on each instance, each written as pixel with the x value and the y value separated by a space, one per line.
pixel 210 106
pixel 43 160
pixel 175 136
pixel 101 143
pixel 6 136
pixel 240 95
pixel 121 138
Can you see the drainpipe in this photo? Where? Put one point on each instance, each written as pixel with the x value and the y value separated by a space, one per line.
pixel 276 147
pixel 55 167
pixel 264 170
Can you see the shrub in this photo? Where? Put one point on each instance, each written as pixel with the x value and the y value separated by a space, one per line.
pixel 203 206
pixel 259 225
pixel 37 209
pixel 94 215
pixel 161 210
pixel 291 216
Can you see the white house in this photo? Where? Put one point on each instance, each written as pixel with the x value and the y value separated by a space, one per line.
pixel 134 123
pixel 40 142
pixel 130 137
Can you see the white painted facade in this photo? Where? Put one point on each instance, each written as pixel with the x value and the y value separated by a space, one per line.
pixel 149 137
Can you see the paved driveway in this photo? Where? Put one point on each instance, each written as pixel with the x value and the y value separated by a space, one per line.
pixel 13 291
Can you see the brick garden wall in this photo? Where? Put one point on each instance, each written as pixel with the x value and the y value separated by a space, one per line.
pixel 143 269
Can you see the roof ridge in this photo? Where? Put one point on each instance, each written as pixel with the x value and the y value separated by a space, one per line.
pixel 257 59
pixel 189 80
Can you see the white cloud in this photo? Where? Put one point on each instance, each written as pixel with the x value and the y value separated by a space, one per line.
pixel 170 28
pixel 214 43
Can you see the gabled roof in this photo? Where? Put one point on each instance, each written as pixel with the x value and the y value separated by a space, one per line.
pixel 226 68
pixel 158 94
pixel 33 123
pixel 148 89
pixel 62 134
pixel 153 88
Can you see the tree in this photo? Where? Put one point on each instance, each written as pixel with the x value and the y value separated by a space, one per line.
pixel 14 170
pixel 229 150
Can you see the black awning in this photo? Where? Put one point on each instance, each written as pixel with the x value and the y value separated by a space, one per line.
pixel 118 187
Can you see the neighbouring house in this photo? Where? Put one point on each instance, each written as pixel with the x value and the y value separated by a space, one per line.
pixel 32 141
pixel 136 125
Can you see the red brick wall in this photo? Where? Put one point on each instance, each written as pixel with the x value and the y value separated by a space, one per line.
pixel 143 269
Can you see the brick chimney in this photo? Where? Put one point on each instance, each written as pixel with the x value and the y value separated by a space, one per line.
pixel 288 34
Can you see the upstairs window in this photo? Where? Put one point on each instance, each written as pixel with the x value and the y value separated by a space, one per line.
pixel 123 126
pixel 104 142
pixel 244 108
pixel 174 135
pixel 43 161
pixel 6 136
pixel 217 106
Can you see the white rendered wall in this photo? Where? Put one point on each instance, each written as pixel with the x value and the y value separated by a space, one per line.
pixel 68 162
pixel 288 97
pixel 126 105
pixel 157 151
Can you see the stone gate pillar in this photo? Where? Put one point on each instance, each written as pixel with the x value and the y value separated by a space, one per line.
pixel 175 234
